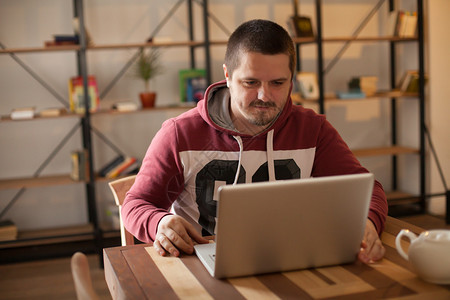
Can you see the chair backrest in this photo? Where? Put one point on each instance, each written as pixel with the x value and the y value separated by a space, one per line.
pixel 82 277
pixel 119 188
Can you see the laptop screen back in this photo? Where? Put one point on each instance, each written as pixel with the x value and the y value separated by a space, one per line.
pixel 292 224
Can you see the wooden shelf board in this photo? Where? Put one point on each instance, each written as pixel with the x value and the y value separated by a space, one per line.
pixel 18 183
pixel 194 44
pixel 50 236
pixel 369 39
pixel 384 151
pixel 376 96
pixel 153 109
pixel 399 197
pixel 143 45
pixel 7 118
pixel 304 40
pixel 40 49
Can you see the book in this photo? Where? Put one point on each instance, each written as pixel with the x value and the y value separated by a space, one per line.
pixel 192 83
pixel 8 230
pixel 410 27
pixel 22 113
pixel 300 26
pixel 66 38
pixel 125 106
pixel 52 112
pixel 132 169
pixel 76 94
pixel 121 167
pixel 404 23
pixel 54 43
pixel 110 165
pixel 80 165
pixel 308 86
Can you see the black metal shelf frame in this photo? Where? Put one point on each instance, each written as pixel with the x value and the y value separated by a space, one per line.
pixel 85 119
pixel 322 71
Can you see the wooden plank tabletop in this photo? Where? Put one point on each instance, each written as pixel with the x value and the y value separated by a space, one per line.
pixel 138 272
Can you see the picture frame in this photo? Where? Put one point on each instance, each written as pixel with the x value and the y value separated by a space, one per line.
pixel 193 85
pixel 308 85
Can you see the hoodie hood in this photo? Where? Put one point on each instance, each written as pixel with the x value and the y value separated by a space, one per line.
pixel 218 92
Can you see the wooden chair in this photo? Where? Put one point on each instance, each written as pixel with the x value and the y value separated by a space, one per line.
pixel 119 188
pixel 82 277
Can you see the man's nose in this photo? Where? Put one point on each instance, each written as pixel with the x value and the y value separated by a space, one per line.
pixel 264 92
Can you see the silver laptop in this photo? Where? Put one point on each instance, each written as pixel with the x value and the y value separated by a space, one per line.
pixel 288 225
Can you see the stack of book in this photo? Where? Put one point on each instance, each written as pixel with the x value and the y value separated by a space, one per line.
pixel 52 112
pixel 365 84
pixel 120 166
pixel 62 40
pixel 8 230
pixel 80 165
pixel 69 39
pixel 22 113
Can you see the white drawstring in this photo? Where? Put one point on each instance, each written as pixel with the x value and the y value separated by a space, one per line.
pixel 269 151
pixel 241 149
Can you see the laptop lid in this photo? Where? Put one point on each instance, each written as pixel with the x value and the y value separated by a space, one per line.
pixel 291 224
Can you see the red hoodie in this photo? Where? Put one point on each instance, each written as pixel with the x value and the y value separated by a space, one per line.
pixel 191 156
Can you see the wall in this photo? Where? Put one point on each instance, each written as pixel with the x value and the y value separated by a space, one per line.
pixel 439 101
pixel 26 144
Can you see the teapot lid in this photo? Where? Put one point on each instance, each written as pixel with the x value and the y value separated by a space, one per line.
pixel 437 235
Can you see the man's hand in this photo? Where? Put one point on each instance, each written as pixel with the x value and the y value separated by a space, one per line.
pixel 174 234
pixel 371 247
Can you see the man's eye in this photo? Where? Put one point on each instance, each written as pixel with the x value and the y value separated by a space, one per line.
pixel 250 83
pixel 277 82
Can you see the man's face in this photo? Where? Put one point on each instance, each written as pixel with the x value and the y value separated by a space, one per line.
pixel 259 88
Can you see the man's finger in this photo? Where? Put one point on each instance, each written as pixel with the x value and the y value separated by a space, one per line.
pixel 166 244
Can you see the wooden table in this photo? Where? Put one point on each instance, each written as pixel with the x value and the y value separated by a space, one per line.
pixel 138 272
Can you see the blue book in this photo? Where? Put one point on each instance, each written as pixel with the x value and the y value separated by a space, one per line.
pixel 351 95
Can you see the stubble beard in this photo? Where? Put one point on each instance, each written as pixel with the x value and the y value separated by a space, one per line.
pixel 262 118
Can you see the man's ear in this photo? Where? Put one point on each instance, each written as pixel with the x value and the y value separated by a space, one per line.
pixel 225 73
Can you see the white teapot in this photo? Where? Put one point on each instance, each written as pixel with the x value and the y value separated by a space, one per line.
pixel 429 254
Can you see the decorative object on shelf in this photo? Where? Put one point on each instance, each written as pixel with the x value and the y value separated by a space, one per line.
pixel 76 28
pixel 22 113
pixel 76 94
pixel 308 86
pixel 147 66
pixel 192 85
pixel 300 26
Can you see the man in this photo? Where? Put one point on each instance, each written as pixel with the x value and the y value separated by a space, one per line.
pixel 244 130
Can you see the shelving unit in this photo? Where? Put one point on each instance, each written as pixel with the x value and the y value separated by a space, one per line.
pixel 92 233
pixel 396 198
pixel 89 236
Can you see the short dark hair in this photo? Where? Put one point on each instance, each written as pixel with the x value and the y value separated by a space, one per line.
pixel 261 36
